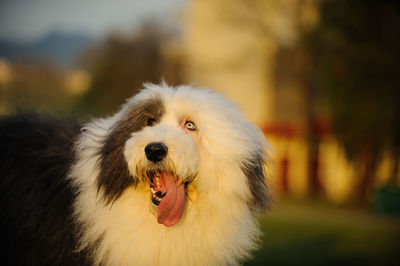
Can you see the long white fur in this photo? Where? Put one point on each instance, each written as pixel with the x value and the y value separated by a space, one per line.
pixel 217 226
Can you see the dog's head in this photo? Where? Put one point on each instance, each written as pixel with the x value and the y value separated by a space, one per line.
pixel 178 140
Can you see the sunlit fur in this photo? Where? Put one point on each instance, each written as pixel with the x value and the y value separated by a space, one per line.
pixel 218 225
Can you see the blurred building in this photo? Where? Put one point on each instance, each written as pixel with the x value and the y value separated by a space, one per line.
pixel 249 50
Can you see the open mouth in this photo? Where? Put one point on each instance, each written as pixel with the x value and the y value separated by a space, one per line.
pixel 158 191
pixel 169 194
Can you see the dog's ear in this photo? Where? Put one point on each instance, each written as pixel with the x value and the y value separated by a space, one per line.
pixel 114 175
pixel 255 170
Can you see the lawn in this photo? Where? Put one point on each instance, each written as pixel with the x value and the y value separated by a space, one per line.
pixel 318 234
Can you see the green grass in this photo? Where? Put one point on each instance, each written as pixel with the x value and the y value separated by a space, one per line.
pixel 317 234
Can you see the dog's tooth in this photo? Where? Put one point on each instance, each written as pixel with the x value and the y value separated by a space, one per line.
pixel 160 194
pixel 156 202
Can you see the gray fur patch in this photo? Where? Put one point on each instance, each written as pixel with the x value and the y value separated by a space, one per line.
pixel 260 195
pixel 114 176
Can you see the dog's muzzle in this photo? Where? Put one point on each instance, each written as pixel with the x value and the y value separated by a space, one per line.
pixel 167 191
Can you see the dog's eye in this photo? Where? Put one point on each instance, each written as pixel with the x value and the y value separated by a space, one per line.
pixel 151 121
pixel 190 125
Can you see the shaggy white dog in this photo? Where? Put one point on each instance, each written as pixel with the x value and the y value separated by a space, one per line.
pixel 174 178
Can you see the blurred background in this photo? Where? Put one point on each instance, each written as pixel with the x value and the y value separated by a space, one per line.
pixel 320 77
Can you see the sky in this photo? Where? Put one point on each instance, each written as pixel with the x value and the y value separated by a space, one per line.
pixel 29 20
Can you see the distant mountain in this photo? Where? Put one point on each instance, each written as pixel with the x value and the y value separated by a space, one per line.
pixel 57 48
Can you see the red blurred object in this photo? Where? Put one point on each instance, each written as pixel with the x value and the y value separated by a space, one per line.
pixel 318 127
pixel 281 129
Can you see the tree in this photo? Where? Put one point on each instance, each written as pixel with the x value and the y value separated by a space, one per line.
pixel 356 48
pixel 120 65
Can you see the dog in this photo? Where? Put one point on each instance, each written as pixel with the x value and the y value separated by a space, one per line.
pixel 175 177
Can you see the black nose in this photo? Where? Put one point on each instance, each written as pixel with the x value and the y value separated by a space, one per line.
pixel 156 151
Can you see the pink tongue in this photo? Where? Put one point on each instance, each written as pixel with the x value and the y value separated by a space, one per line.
pixel 170 210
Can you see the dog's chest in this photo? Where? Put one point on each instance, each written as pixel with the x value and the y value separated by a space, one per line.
pixel 204 236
